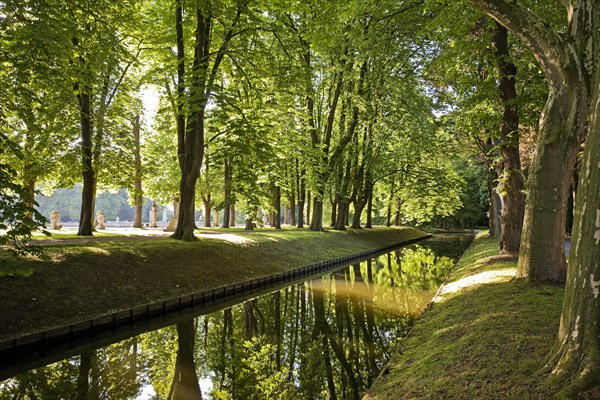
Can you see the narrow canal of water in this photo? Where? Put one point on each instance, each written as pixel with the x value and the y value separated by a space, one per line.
pixel 323 338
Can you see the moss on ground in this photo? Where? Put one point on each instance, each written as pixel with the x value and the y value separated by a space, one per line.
pixel 480 341
pixel 81 279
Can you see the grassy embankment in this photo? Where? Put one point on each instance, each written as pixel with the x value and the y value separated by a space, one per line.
pixel 485 337
pixel 81 279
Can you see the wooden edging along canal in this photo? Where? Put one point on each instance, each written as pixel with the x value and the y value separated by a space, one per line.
pixel 30 351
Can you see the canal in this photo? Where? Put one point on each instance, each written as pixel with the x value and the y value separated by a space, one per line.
pixel 323 338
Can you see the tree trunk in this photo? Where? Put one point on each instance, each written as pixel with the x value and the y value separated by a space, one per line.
pixel 341 214
pixel 334 206
pixel 293 210
pixel 495 203
pixel 301 212
pixel 232 215
pixel 249 224
pixel 87 194
pixel 277 205
pixel 369 209
pixel 137 191
pixel 358 209
pixel 308 214
pixel 575 357
pixel 542 255
pixel 185 381
pixel 316 221
pixel 226 199
pixel 513 200
pixel 207 211
pixel 83 377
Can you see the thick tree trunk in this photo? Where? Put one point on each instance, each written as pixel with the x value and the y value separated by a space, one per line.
pixel 185 220
pixel 87 194
pixel 316 221
pixel 342 208
pixel 207 211
pixel 249 224
pixel 301 213
pixel 137 191
pixel 542 255
pixel 232 215
pixel 513 200
pixel 358 209
pixel 29 184
pixel 575 357
pixel 185 381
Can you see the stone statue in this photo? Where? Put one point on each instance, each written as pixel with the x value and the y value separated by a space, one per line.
pixel 100 218
pixel 54 220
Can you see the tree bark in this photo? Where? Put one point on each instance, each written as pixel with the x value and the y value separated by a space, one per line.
pixel 137 191
pixel 277 206
pixel 512 185
pixel 232 215
pixel 575 357
pixel 89 177
pixel 226 198
pixel 207 210
pixel 316 221
pixel 308 214
pixel 369 209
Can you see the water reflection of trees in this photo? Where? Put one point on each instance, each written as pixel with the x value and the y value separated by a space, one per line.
pixel 326 338
pixel 109 373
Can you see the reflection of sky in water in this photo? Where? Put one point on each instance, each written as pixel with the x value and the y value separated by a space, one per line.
pixel 330 328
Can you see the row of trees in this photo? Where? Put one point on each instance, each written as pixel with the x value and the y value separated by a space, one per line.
pixel 336 104
pixel 258 108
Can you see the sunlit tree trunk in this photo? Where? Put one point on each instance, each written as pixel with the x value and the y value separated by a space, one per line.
pixel 575 357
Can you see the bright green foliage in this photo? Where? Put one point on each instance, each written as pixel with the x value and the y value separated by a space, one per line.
pixel 18 218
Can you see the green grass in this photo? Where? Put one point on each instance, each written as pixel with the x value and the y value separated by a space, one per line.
pixel 484 341
pixel 81 279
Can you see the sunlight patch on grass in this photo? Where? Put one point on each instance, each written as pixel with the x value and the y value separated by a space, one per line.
pixel 494 276
pixel 227 237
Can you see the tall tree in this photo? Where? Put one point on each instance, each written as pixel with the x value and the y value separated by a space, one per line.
pixel 191 110
pixel 575 357
pixel 568 60
pixel 512 186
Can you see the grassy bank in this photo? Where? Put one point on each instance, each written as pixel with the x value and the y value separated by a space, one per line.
pixel 485 337
pixel 80 279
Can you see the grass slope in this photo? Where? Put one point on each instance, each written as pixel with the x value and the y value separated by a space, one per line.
pixel 82 279
pixel 486 337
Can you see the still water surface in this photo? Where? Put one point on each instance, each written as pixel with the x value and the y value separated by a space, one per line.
pixel 323 338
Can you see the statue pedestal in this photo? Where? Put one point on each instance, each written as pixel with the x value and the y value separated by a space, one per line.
pixel 172 225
